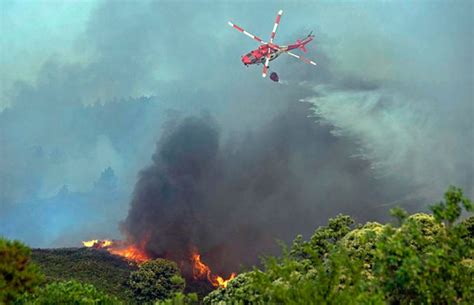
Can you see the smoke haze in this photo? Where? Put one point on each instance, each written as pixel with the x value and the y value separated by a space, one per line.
pixel 233 199
pixel 387 119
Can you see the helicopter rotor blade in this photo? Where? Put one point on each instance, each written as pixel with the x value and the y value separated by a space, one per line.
pixel 246 33
pixel 275 26
pixel 304 59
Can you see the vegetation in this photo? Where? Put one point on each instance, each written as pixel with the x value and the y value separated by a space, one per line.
pixel 180 299
pixel 426 259
pixel 109 273
pixel 68 293
pixel 420 259
pixel 156 280
pixel 17 274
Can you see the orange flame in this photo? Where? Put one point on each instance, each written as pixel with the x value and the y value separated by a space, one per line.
pixel 130 252
pixel 201 270
pixel 97 243
pixel 90 243
pixel 137 254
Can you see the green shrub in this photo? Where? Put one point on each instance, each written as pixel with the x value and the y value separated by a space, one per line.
pixel 426 260
pixel 180 299
pixel 361 242
pixel 68 293
pixel 467 228
pixel 156 280
pixel 17 274
pixel 240 290
pixel 318 271
pixel 323 240
pixel 107 272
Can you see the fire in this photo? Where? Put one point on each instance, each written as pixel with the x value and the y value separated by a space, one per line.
pixel 97 243
pixel 90 243
pixel 129 251
pixel 223 283
pixel 201 270
pixel 137 254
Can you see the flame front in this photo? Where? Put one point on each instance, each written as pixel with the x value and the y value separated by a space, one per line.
pixel 137 254
pixel 90 243
pixel 97 243
pixel 129 251
pixel 201 270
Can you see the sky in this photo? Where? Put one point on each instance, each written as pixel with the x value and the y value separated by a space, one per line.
pixel 88 89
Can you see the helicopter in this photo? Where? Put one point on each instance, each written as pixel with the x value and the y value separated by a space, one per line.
pixel 269 51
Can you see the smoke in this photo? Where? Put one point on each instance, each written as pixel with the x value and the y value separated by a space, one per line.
pixel 390 106
pixel 232 198
pixel 402 137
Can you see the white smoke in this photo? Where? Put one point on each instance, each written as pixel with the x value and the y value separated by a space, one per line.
pixel 400 136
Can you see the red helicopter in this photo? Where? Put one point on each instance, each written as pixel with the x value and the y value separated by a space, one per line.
pixel 269 51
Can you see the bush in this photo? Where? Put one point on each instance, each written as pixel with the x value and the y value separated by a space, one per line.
pixel 156 280
pixel 108 273
pixel 17 274
pixel 180 299
pixel 361 243
pixel 68 293
pixel 428 259
pixel 239 290
pixel 318 271
pixel 467 229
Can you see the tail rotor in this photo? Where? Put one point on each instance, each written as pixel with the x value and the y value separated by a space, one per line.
pixel 302 47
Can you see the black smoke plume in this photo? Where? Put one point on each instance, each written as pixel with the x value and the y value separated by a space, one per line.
pixel 231 199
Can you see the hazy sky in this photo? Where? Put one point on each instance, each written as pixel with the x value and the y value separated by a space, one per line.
pixel 87 85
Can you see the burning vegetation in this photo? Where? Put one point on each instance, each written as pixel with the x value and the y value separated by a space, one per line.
pixel 137 254
pixel 229 201
pixel 372 257
pixel 119 248
pixel 201 270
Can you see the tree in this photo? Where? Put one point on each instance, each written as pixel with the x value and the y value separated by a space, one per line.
pixel 68 293
pixel 240 290
pixel 427 259
pixel 450 210
pixel 399 213
pixel 467 229
pixel 17 274
pixel 318 271
pixel 156 280
pixel 360 244
pixel 180 299
pixel 323 239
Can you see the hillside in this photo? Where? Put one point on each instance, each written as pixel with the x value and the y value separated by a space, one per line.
pixel 105 271
pixel 417 259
